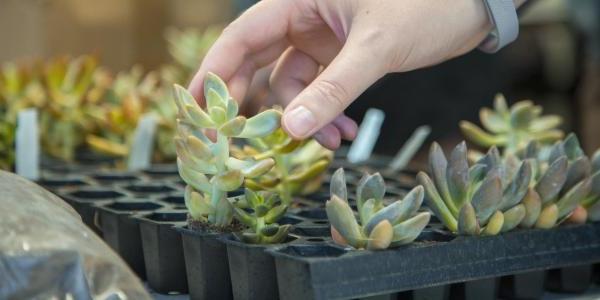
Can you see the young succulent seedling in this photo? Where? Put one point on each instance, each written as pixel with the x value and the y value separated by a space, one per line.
pixel 299 165
pixel 484 198
pixel 379 226
pixel 205 165
pixel 511 129
pixel 265 210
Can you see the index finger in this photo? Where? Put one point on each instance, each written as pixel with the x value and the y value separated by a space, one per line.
pixel 260 27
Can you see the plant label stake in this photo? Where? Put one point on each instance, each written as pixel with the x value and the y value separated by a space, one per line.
pixel 27 145
pixel 143 144
pixel 408 150
pixel 368 132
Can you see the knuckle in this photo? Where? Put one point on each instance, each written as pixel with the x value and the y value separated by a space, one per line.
pixel 332 92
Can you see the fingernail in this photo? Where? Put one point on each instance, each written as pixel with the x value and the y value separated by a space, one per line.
pixel 300 121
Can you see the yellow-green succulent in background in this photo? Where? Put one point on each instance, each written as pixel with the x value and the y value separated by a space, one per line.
pixel 20 88
pixel 205 165
pixel 187 48
pixel 131 95
pixel 379 226
pixel 512 128
pixel 299 165
pixel 70 88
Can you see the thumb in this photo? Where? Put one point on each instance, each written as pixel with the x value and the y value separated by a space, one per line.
pixel 351 72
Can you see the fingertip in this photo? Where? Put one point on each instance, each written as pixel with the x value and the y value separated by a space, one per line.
pixel 329 137
pixel 347 127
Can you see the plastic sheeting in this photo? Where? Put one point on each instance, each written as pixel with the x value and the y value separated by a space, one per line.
pixel 46 252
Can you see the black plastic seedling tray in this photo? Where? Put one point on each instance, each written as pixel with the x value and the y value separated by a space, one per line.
pixel 331 272
pixel 163 250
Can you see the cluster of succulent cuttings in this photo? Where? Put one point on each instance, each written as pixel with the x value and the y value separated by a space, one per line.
pixel 512 128
pixel 484 198
pixel 206 166
pixel 299 165
pixel 260 214
pixel 567 182
pixel 379 226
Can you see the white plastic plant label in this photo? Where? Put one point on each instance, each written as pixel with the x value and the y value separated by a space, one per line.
pixel 27 145
pixel 410 148
pixel 368 132
pixel 140 156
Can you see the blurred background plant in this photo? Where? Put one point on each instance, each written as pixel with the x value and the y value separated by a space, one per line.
pixel 299 165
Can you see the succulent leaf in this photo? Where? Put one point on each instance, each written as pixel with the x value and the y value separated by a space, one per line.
pixel 337 185
pixel 216 84
pixel 513 217
pixel 578 170
pixel 370 187
pixel 381 236
pixel 548 217
pixel 553 180
pixel 229 181
pixel 458 174
pixel 487 198
pixel 517 189
pixel 407 231
pixel 571 199
pixel 233 127
pixel 341 217
pixel 262 124
pixel 533 207
pixel 435 203
pixel 495 224
pixel 492 121
pixel 479 136
pixel 438 166
pixel 467 220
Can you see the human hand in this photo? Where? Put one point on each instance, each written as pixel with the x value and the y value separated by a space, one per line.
pixel 329 52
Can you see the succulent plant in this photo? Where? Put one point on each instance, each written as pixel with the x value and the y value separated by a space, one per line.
pixel 566 181
pixel 187 48
pixel 20 88
pixel 379 226
pixel 265 209
pixel 511 129
pixel 299 165
pixel 198 156
pixel 69 85
pixel 484 198
pixel 129 96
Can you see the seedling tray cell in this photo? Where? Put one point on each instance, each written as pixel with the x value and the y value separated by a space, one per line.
pixel 163 250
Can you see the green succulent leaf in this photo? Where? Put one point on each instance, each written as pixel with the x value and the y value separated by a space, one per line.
pixel 198 117
pixel 228 181
pixel 197 180
pixel 577 170
pixel 214 83
pixel 381 236
pixel 233 127
pixel 244 217
pixel 367 211
pixel 213 99
pixel 232 109
pixel 492 121
pixel 407 231
pixel 338 184
pixel 533 207
pixel 548 217
pixel 342 219
pixel 571 199
pixel 521 115
pixel 487 198
pixel 517 189
pixel 572 147
pixel 262 124
pixel 438 166
pixel 198 206
pixel 458 174
pixel 477 135
pixel 217 114
pixel 494 225
pixel 275 213
pixel 370 187
pixel 513 217
pixel 223 213
pixel 553 180
pixel 278 237
pixel 545 123
pixel 467 220
pixel 435 203
pixel 198 148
